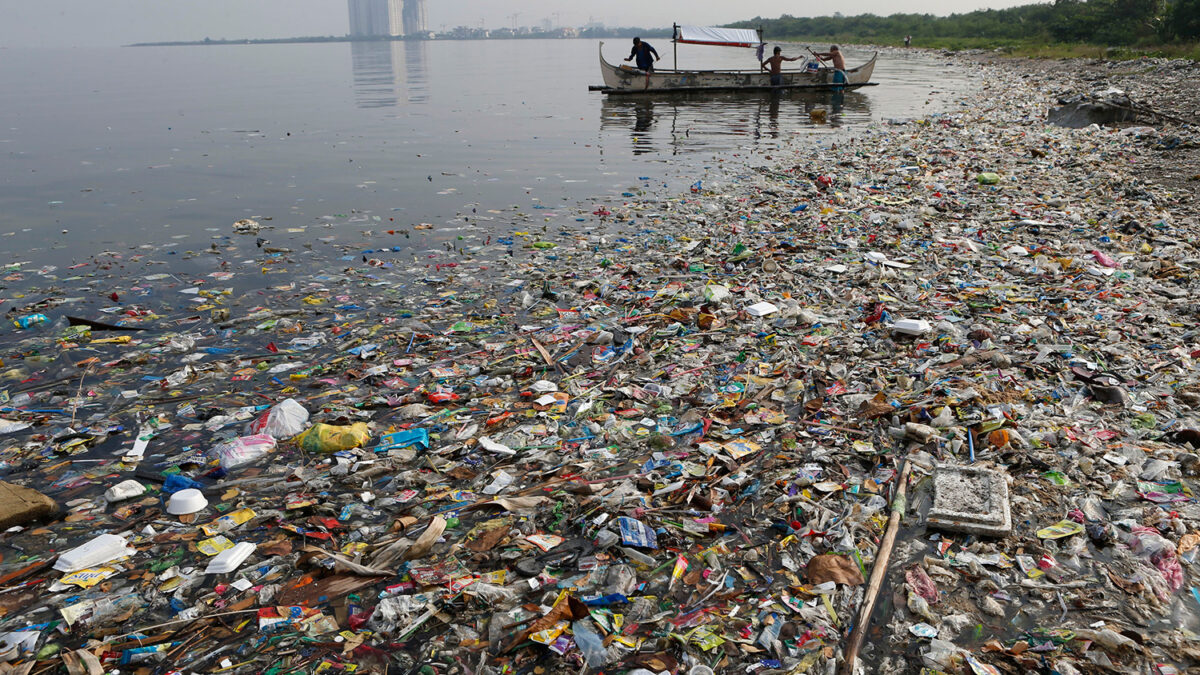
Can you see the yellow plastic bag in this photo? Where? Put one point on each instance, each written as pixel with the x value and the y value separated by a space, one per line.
pixel 330 438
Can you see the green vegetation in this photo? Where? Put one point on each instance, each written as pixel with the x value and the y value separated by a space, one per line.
pixel 1092 28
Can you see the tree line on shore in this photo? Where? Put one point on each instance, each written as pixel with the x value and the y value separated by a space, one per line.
pixel 1099 22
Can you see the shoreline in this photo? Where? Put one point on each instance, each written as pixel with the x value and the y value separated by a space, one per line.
pixel 741 439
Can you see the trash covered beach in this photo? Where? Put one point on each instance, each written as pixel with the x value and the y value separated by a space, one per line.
pixel 944 367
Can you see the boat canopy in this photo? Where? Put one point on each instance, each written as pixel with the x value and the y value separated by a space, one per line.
pixel 722 37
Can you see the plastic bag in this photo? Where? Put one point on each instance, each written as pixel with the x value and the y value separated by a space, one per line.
pixel 283 421
pixel 331 438
pixel 590 643
pixel 243 450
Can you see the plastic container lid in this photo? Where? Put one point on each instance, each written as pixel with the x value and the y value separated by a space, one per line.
pixel 231 558
pixel 186 501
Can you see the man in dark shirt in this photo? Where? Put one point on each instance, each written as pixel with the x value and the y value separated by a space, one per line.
pixel 642 51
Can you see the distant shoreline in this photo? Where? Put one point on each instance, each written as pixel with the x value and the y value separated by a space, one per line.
pixel 590 34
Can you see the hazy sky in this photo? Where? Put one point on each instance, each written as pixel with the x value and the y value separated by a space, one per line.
pixel 25 23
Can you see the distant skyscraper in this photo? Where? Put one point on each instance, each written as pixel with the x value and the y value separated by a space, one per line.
pixel 395 17
pixel 369 18
pixel 381 18
pixel 414 17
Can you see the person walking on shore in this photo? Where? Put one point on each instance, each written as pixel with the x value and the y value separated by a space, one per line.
pixel 776 63
pixel 642 51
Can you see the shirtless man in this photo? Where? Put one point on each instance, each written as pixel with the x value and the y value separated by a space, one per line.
pixel 838 61
pixel 776 63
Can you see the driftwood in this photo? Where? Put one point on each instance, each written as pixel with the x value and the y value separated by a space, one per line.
pixel 878 572
pixel 1144 109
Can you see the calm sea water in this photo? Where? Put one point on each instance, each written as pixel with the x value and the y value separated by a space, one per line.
pixel 163 148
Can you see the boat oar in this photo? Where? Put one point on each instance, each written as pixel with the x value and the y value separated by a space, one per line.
pixel 819 59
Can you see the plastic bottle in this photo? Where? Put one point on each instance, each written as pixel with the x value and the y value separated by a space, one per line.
pixel 638 556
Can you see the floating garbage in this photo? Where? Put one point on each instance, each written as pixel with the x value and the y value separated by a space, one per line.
pixel 919 396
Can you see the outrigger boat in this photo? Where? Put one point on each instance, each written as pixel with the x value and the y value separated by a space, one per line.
pixel 624 79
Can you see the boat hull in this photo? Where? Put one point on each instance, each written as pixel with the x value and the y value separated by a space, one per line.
pixel 623 79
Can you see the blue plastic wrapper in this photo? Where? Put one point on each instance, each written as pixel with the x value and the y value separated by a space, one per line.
pixel 403 439
pixel 174 483
pixel 634 533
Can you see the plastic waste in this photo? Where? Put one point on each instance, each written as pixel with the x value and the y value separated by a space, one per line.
pixel 329 438
pixel 102 548
pixel 186 502
pixel 28 321
pixel 283 421
pixel 231 558
pixel 127 489
pixel 243 450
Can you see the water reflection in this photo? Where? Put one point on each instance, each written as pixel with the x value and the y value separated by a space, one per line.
pixel 416 70
pixel 386 72
pixel 702 122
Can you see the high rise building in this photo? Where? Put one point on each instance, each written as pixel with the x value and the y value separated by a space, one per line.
pixel 396 17
pixel 381 18
pixel 368 18
pixel 414 17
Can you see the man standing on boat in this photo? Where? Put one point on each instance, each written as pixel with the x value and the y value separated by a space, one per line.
pixel 838 61
pixel 642 51
pixel 776 63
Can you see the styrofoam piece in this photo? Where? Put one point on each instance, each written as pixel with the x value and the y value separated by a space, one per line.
pixel 912 326
pixel 186 501
pixel 761 309
pixel 103 548
pixel 970 499
pixel 231 558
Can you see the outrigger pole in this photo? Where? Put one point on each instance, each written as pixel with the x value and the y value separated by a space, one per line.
pixel 675 42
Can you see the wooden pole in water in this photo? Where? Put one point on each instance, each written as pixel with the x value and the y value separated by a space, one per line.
pixel 878 572
pixel 675 44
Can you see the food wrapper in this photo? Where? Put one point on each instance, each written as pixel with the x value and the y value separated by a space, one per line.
pixel 211 547
pixel 89 577
pixel 227 522
pixel 1063 528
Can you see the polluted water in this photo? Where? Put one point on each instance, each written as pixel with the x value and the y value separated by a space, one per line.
pixel 916 398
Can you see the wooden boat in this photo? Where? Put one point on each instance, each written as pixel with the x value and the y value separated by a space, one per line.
pixel 625 79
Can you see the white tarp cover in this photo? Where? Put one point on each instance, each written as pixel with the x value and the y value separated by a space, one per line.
pixel 728 37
